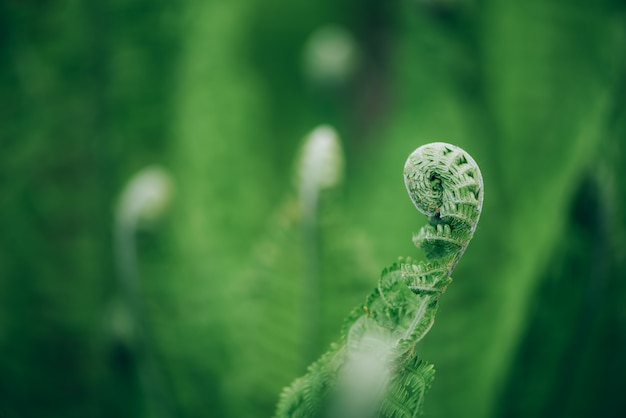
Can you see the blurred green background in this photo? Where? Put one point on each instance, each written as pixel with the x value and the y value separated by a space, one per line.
pixel 210 308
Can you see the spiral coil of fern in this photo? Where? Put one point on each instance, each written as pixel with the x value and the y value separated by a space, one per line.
pixel 445 184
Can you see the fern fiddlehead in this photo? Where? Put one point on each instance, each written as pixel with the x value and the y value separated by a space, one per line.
pixel 374 370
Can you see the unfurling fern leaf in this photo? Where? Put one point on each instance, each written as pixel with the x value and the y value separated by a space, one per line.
pixel 374 370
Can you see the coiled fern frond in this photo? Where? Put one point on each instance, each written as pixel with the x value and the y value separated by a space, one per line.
pixel 374 370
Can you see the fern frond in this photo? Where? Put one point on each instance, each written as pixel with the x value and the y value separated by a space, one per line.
pixel 374 371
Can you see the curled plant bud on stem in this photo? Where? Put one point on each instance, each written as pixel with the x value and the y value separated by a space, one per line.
pixel 445 184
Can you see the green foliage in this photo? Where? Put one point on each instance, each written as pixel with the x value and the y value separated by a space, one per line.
pixel 242 286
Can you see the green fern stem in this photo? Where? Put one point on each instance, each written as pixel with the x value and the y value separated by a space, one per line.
pixel 374 370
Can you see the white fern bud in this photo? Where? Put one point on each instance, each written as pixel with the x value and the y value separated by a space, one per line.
pixel 320 165
pixel 330 56
pixel 146 196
